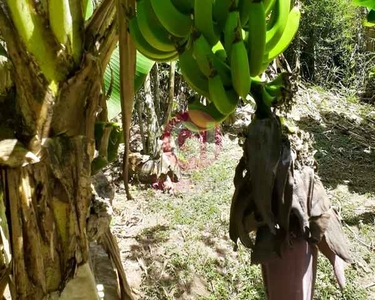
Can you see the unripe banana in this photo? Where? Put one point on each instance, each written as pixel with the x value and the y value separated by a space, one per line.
pixel 280 80
pixel 192 73
pixel 221 11
pixel 232 26
pixel 203 55
pixel 268 6
pixel 224 101
pixel 146 49
pixel 268 99
pixel 274 34
pixel 239 65
pixel 151 29
pixel 257 37
pixel 219 50
pixel 177 23
pixel 221 67
pixel 290 31
pixel 203 20
pixel 244 9
pixel 184 6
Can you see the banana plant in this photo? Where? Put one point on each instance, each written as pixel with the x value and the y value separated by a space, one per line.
pixel 108 135
pixel 112 79
pixel 45 159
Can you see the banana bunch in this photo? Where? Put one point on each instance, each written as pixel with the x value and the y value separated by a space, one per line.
pixel 161 27
pixel 222 47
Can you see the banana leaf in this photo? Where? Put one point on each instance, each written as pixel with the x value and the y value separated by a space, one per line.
pixel 112 79
pixel 367 3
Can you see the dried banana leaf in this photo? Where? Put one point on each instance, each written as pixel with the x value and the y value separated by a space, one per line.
pixel 335 237
pixel 241 203
pixel 335 260
pixel 267 246
pixel 283 190
pixel 263 147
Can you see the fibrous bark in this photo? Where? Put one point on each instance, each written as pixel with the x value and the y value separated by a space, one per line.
pixel 45 163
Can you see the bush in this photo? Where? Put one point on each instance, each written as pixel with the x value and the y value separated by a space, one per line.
pixel 331 44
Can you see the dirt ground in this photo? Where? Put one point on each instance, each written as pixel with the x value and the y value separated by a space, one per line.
pixel 176 246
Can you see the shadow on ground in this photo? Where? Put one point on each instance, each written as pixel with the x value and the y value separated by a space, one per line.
pixel 168 274
pixel 345 151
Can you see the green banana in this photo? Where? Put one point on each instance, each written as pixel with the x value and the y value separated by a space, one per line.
pixel 220 12
pixel 221 67
pixel 239 65
pixel 290 31
pixel 145 48
pixel 184 6
pixel 151 29
pixel 244 9
pixel 224 101
pixel 203 20
pixel 209 63
pixel 268 99
pixel 219 51
pixel 274 34
pixel 280 80
pixel 232 26
pixel 192 73
pixel 175 22
pixel 257 37
pixel 268 6
pixel 203 55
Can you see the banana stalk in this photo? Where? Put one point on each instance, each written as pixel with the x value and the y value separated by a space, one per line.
pixel 78 11
pixel 35 37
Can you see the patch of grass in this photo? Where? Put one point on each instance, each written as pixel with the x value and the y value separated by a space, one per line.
pixel 195 244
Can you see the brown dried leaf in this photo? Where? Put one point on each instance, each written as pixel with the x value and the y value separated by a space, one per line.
pixel 336 261
pixel 241 203
pixel 283 190
pixel 262 148
pixel 267 246
pixel 335 237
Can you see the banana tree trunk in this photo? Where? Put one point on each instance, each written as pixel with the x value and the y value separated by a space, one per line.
pixel 47 192
pixel 47 145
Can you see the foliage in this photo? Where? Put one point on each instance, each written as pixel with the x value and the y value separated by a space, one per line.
pixel 331 44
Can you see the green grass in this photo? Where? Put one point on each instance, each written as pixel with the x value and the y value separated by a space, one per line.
pixel 195 243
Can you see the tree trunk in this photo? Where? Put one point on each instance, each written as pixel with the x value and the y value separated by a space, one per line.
pixel 153 127
pixel 46 153
pixel 47 200
pixel 156 89
pixel 172 71
pixel 139 107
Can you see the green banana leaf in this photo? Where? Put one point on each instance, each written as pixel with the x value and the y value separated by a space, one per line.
pixel 112 79
pixel 367 3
